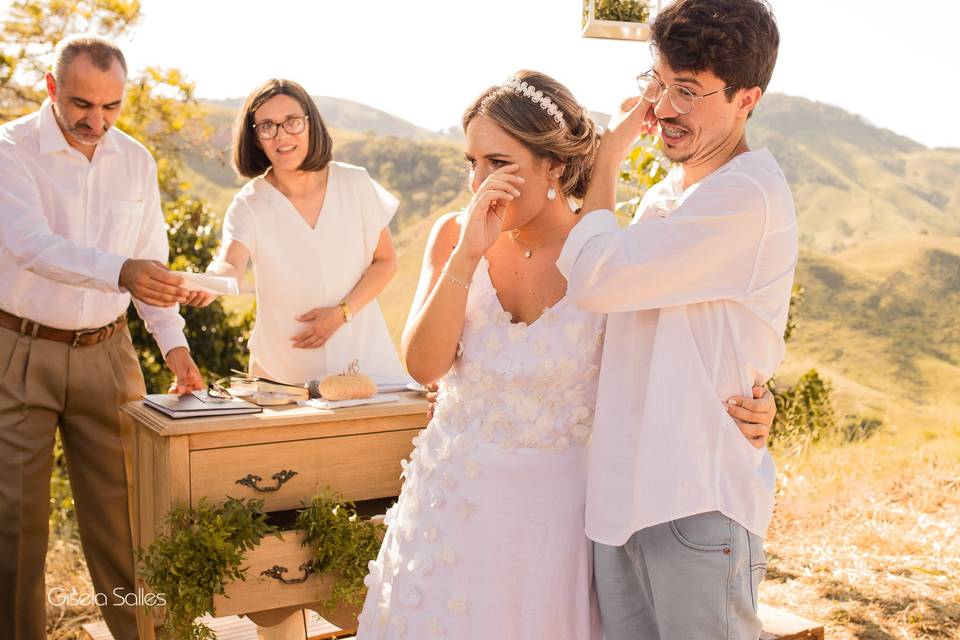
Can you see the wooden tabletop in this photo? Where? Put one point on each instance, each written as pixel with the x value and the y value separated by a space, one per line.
pixel 409 403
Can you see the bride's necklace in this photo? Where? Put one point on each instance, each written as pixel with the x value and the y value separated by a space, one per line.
pixel 528 250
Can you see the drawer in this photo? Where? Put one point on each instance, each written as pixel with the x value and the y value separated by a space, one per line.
pixel 262 592
pixel 357 467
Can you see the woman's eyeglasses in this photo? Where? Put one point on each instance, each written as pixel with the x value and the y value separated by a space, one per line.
pixel 268 130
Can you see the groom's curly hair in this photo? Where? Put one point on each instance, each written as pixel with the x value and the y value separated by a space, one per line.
pixel 736 40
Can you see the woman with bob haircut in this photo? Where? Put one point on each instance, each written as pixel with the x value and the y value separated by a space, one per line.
pixel 487 538
pixel 317 233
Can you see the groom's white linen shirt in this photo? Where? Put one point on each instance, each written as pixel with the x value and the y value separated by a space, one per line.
pixel 68 224
pixel 697 290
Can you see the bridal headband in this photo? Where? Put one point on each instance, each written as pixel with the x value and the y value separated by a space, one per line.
pixel 521 87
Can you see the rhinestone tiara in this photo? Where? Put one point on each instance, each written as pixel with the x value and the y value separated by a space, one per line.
pixel 524 88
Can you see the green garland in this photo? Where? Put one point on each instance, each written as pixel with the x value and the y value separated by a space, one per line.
pixel 202 552
pixel 206 546
pixel 342 543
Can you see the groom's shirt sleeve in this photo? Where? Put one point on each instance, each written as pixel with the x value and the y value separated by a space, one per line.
pixel 705 249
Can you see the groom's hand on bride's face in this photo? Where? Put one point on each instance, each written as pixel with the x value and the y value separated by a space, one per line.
pixel 754 416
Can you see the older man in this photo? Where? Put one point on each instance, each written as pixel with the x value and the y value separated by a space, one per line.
pixel 81 232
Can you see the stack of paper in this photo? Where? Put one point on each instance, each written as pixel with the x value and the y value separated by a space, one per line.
pixel 216 285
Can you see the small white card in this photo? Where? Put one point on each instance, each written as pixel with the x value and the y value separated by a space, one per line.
pixel 319 403
pixel 217 285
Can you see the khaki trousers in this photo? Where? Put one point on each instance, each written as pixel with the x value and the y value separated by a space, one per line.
pixel 43 385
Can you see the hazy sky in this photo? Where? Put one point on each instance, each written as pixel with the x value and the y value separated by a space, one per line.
pixel 423 60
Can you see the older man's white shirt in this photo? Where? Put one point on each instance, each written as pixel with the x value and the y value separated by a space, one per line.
pixel 697 291
pixel 67 225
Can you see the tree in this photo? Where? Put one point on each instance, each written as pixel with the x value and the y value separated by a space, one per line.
pixel 33 28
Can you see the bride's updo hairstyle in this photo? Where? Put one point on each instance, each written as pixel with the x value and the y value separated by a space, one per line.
pixel 544 116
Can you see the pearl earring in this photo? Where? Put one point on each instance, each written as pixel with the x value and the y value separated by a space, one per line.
pixel 551 194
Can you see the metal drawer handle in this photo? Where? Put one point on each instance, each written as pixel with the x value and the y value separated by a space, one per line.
pixel 277 573
pixel 251 480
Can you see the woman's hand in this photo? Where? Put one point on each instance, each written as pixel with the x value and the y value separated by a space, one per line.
pixel 754 415
pixel 322 323
pixel 486 210
pixel 199 299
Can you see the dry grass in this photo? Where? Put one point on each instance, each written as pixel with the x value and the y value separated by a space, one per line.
pixel 866 537
pixel 66 569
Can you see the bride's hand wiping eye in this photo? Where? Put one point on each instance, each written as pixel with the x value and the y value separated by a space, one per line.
pixel 486 210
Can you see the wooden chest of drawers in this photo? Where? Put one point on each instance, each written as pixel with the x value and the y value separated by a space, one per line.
pixel 284 455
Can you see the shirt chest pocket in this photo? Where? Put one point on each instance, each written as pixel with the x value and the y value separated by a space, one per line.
pixel 122 228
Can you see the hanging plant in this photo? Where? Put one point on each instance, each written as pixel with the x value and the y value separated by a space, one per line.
pixel 618 19
pixel 206 546
pixel 203 551
pixel 342 543
pixel 617 10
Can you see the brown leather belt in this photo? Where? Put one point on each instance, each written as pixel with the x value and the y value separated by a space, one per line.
pixel 81 338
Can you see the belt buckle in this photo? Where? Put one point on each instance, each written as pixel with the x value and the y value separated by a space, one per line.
pixel 79 334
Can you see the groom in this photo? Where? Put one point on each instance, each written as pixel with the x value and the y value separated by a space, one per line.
pixel 697 291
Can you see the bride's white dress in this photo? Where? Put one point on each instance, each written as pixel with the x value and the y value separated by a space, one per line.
pixel 487 537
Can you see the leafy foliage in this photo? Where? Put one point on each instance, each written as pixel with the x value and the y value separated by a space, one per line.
pixel 31 30
pixel 342 544
pixel 620 10
pixel 203 550
pixel 805 411
pixel 643 167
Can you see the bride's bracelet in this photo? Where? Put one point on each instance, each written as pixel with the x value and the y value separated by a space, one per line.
pixel 465 285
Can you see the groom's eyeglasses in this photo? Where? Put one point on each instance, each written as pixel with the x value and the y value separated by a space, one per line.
pixel 681 98
pixel 268 130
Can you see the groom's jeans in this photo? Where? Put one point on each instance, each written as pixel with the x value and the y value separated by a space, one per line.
pixel 690 579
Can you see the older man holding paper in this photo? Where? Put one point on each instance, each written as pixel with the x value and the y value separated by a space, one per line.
pixel 81 232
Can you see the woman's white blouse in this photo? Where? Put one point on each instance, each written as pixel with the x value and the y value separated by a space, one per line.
pixel 298 269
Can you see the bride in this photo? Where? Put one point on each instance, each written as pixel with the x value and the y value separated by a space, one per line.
pixel 487 538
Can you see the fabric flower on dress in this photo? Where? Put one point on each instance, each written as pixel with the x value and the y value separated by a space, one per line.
pixel 448 555
pixel 478 319
pixel 398 626
pixel 411 596
pixel 540 346
pixel 457 606
pixel 573 331
pixel 421 565
pixel 517 332
pixel 465 508
pixel 448 481
pixel 472 468
pixel 493 345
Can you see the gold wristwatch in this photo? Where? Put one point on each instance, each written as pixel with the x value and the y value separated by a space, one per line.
pixel 347 314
